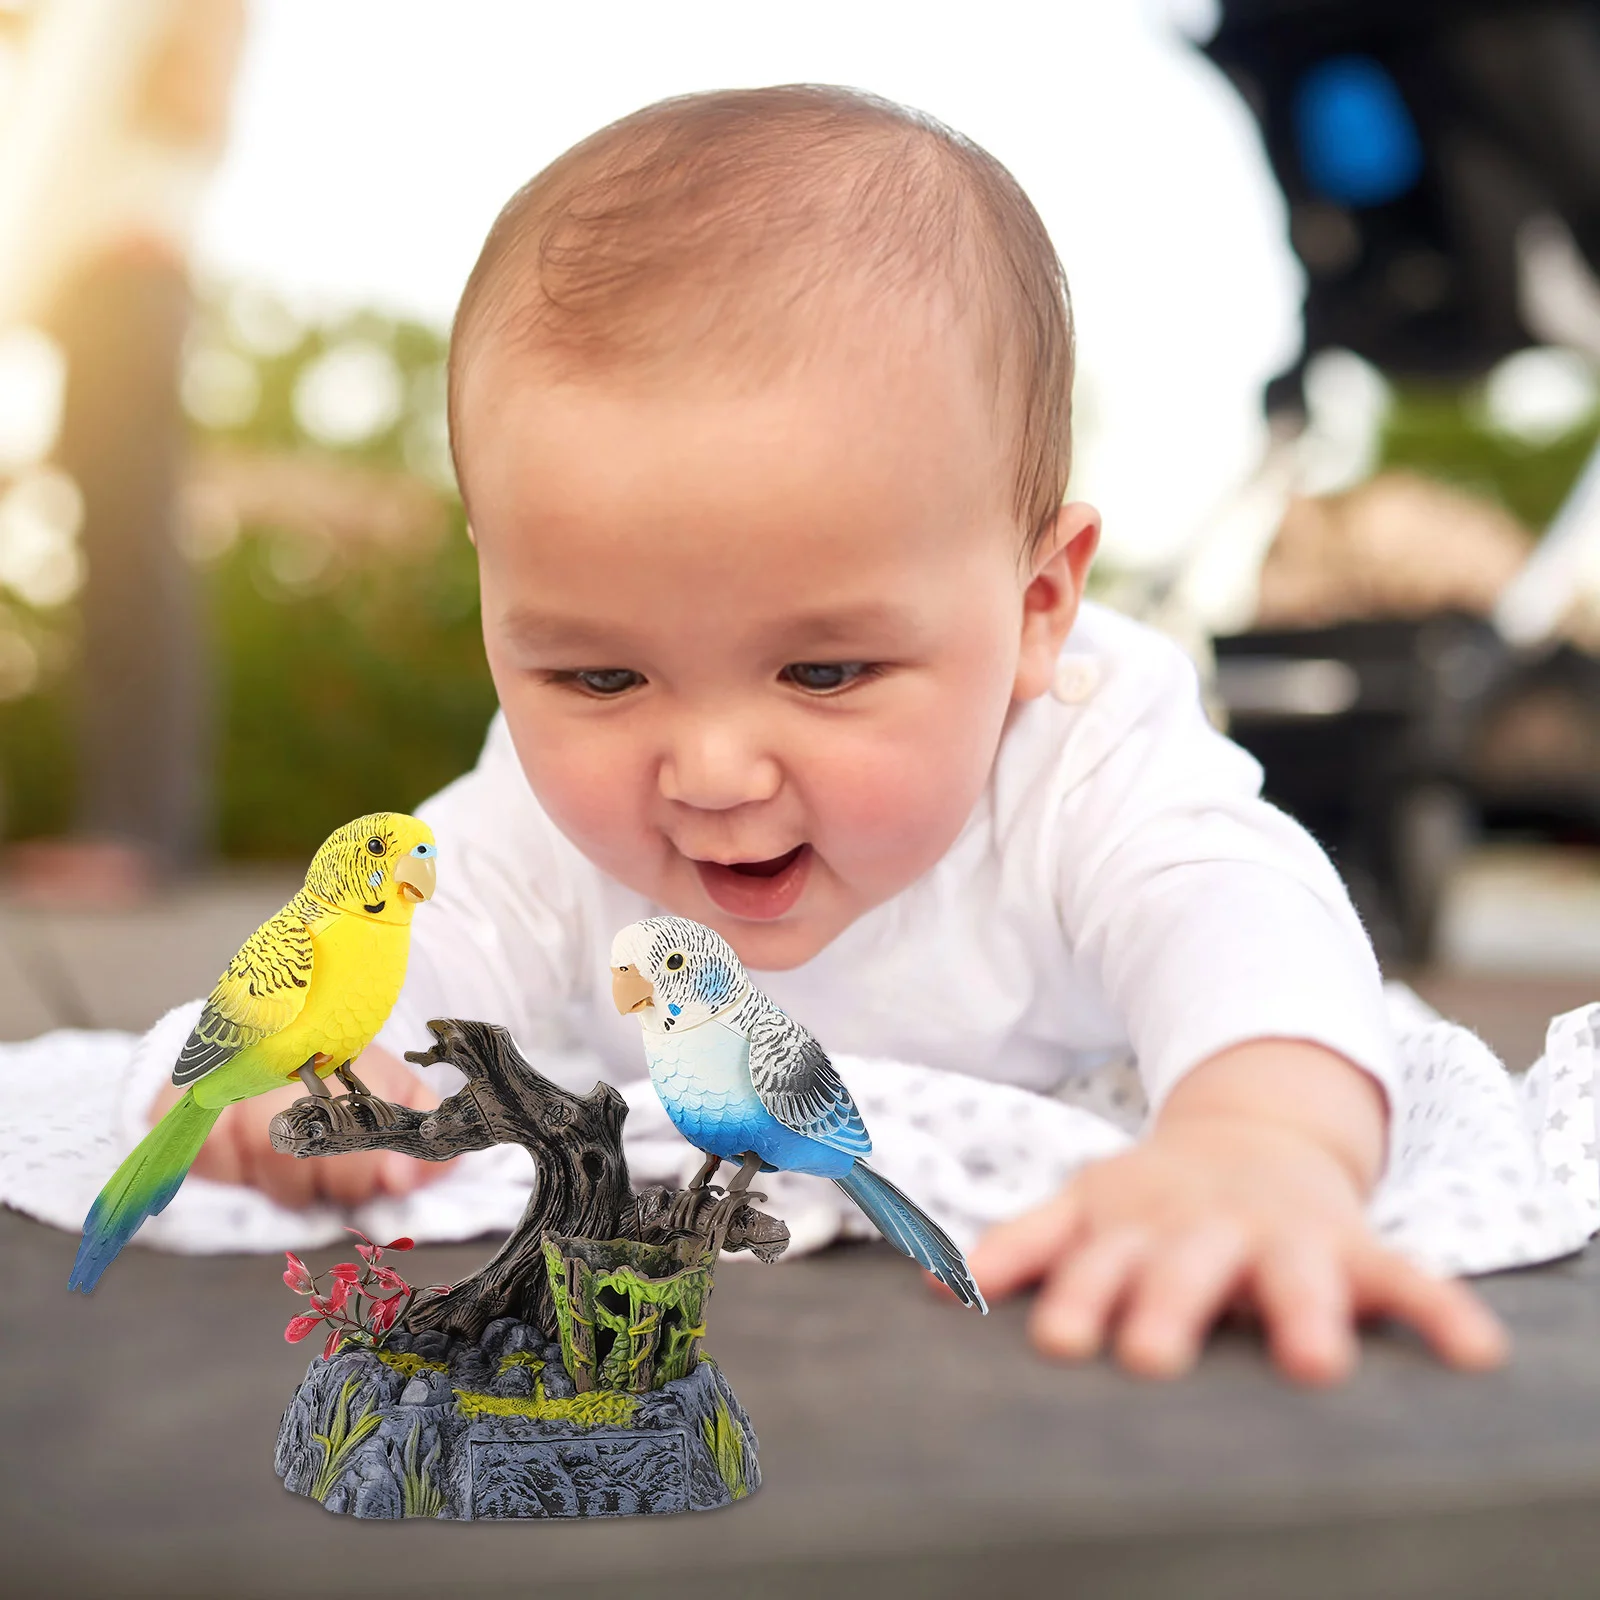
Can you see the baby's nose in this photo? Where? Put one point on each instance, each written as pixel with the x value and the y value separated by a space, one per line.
pixel 715 766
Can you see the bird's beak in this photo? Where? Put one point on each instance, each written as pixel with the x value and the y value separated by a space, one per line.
pixel 416 877
pixel 631 990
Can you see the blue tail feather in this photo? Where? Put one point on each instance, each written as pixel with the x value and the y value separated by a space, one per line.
pixel 911 1231
pixel 141 1187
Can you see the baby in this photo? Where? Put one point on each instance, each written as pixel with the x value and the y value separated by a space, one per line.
pixel 760 409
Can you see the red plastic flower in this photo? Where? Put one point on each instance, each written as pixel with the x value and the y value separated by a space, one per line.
pixel 388 1278
pixel 401 1244
pixel 299 1328
pixel 296 1275
pixel 346 1271
pixel 333 1344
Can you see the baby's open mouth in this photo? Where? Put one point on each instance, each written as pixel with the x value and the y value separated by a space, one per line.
pixel 757 890
pixel 769 868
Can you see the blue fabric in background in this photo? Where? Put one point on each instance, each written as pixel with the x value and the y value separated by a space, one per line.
pixel 1358 143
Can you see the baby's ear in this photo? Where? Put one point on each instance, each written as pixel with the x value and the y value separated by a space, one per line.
pixel 1058 566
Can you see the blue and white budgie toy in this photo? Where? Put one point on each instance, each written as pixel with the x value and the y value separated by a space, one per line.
pixel 742 1081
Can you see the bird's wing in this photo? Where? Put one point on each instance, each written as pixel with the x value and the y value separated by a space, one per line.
pixel 262 991
pixel 797 1083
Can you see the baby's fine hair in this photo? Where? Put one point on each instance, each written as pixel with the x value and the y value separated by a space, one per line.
pixel 722 222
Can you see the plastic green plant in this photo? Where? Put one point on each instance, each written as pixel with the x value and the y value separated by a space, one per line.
pixel 419 1494
pixel 340 1436
pixel 629 1315
pixel 725 1440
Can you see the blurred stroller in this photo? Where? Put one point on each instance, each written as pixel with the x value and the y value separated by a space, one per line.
pixel 1441 164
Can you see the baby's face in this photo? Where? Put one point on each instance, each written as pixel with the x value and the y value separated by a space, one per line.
pixel 757 647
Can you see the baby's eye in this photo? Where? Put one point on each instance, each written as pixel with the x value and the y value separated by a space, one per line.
pixel 604 680
pixel 825 677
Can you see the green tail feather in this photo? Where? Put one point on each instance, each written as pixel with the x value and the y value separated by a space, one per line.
pixel 140 1188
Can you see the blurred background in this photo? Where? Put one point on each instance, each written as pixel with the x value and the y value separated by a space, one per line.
pixel 1335 272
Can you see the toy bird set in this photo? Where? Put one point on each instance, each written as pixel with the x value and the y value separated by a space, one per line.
pixel 566 1377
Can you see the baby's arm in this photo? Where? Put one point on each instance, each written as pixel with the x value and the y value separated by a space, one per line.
pixel 1209 918
pixel 1250 1187
pixel 237 1149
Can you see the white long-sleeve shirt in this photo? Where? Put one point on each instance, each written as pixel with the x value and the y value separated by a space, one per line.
pixel 1120 886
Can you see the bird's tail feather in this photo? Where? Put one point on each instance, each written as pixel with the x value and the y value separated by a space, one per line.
pixel 140 1188
pixel 911 1231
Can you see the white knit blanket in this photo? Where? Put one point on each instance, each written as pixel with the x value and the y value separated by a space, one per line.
pixel 1487 1170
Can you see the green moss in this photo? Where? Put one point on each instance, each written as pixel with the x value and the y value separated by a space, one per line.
pixel 725 1440
pixel 339 1436
pixel 522 1358
pixel 600 1408
pixel 407 1363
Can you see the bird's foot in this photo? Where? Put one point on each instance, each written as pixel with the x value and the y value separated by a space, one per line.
pixel 346 1114
pixel 713 1226
pixel 383 1114
pixel 708 1170
pixel 683 1211
pixel 307 1074
pixel 341 1115
pixel 346 1074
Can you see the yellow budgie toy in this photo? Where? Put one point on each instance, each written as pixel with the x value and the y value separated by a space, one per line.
pixel 303 998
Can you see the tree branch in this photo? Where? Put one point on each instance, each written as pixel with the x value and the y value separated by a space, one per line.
pixel 581 1187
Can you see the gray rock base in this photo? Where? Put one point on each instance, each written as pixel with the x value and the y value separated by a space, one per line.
pixel 370 1438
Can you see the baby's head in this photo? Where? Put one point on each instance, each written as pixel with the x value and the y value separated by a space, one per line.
pixel 760 404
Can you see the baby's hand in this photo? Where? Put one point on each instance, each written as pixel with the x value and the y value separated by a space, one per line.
pixel 237 1149
pixel 1220 1205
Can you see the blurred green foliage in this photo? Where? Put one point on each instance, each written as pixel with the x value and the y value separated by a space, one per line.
pixel 347 687
pixel 368 697
pixel 1442 432
pixel 37 761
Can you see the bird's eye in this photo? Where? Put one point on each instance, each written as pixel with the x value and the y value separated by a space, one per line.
pixel 825 677
pixel 424 850
pixel 674 961
pixel 376 845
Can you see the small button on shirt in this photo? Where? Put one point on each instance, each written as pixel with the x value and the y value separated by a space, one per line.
pixel 1119 886
pixel 1077 677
